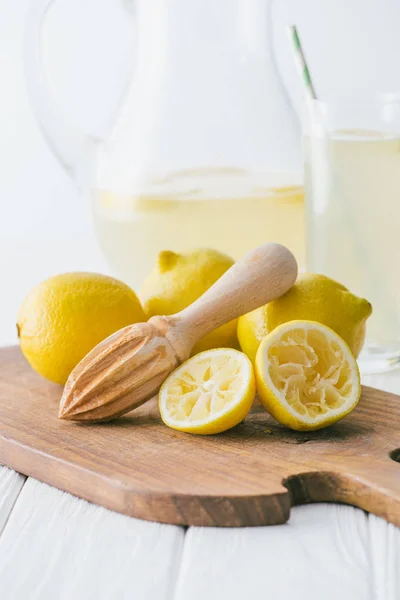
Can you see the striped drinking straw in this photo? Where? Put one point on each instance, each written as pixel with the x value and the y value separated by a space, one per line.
pixel 301 63
pixel 350 222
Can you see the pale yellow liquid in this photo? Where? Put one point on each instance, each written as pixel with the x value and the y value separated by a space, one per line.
pixel 353 222
pixel 132 230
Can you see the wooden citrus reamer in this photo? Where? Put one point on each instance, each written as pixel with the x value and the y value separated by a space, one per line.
pixel 129 367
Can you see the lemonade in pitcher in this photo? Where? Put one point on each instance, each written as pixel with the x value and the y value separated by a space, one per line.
pixel 226 209
pixel 202 146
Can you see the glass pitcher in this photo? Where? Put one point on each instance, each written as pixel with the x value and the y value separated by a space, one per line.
pixel 204 150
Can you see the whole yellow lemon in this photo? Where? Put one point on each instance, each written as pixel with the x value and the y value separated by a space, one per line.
pixel 313 297
pixel 64 317
pixel 177 280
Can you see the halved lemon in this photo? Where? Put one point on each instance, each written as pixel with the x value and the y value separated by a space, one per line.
pixel 307 377
pixel 210 393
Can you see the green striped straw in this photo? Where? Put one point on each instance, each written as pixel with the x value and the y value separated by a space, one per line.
pixel 301 63
pixel 361 245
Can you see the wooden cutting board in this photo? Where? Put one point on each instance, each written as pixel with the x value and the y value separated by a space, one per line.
pixel 250 475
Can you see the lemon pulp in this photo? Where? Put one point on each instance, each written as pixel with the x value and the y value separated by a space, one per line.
pixel 210 393
pixel 307 376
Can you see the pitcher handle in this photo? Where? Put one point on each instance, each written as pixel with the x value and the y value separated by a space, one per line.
pixel 73 148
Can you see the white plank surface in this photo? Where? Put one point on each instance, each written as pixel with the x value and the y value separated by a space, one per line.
pixel 325 552
pixel 56 547
pixel 10 486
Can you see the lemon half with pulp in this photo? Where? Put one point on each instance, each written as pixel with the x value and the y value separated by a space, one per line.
pixel 210 393
pixel 307 377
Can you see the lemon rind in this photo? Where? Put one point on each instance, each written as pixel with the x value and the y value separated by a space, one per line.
pixel 262 365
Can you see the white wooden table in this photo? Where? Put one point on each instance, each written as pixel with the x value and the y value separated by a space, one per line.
pixel 56 547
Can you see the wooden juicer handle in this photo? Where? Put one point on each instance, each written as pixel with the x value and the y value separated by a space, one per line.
pixel 264 274
pixel 129 367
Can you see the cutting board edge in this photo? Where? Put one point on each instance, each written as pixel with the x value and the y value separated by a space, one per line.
pixel 305 487
pixel 169 508
pixel 375 488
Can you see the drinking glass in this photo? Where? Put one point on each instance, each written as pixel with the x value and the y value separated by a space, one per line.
pixel 352 186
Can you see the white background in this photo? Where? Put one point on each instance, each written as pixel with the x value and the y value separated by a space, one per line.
pixel 62 542
pixel 352 46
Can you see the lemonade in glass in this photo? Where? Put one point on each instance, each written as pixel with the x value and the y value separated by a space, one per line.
pixel 352 175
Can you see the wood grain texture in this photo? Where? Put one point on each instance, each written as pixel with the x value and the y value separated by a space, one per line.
pixel 325 552
pixel 57 547
pixel 117 375
pixel 248 476
pixel 127 368
pixel 10 486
